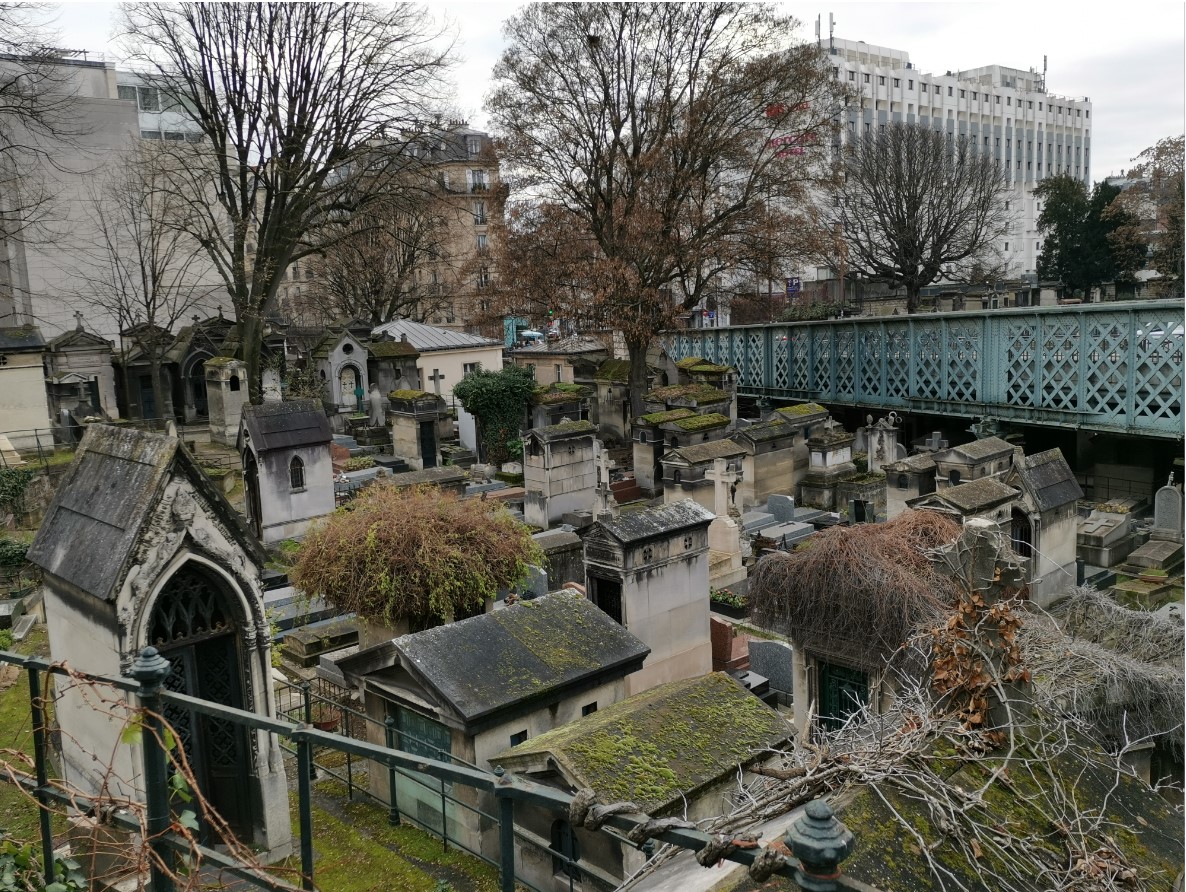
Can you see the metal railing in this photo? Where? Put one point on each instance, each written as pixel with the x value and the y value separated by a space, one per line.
pixel 149 672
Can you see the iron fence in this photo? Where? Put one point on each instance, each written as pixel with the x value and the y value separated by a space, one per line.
pixel 148 675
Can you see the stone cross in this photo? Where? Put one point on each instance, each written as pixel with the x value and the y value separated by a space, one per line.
pixel 436 378
pixel 78 319
pixel 604 504
pixel 723 479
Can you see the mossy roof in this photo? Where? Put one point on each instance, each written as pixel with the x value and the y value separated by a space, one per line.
pixel 617 370
pixel 392 349
pixel 977 495
pixel 559 392
pixel 802 409
pixel 410 395
pixel 710 368
pixel 979 450
pixel 765 431
pixel 17 338
pixel 489 663
pixel 704 452
pixel 696 393
pixel 662 744
pixel 562 430
pixel 666 416
pixel 702 422
pixel 688 361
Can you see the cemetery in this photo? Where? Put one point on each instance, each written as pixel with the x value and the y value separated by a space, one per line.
pixel 767 560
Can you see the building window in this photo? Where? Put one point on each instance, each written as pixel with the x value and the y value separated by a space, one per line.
pixel 836 72
pixel 954 478
pixel 866 78
pixel 897 82
pixel 1039 106
pixel 1008 100
pixel 234 383
pixel 986 141
pixel 949 91
pixel 963 94
pixel 296 474
pixel 469 367
pixel 589 708
pixel 478 180
pixel 149 98
pixel 174 136
pixel 903 481
pixel 922 88
pixel 473 145
pixel 483 277
pixel 998 99
pixel 479 213
pixel 852 75
pixel 559 369
pixel 975 95
pixel 910 84
pixel 1006 246
pixel 881 80
pixel 1030 104
pixel 481 242
pixel 126 94
pixel 1089 113
pixel 998 142
pixel 150 134
pixel 518 737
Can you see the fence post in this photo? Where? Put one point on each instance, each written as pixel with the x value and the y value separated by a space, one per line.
pixel 506 836
pixel 308 702
pixel 151 669
pixel 305 771
pixel 392 803
pixel 820 842
pixel 38 710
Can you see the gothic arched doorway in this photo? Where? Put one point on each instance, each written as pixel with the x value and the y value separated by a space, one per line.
pixel 194 624
pixel 1021 532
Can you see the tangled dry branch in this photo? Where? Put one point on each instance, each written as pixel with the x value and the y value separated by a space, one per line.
pixel 860 590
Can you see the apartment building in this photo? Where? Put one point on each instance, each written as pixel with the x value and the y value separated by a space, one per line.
pixel 47 268
pixel 453 279
pixel 1007 113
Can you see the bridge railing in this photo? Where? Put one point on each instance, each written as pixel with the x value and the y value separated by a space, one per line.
pixel 1102 366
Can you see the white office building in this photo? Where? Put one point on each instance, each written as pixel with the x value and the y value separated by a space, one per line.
pixel 1032 133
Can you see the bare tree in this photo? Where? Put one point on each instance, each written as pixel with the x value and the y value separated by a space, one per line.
pixel 293 100
pixel 916 205
pixel 372 268
pixel 146 271
pixel 660 137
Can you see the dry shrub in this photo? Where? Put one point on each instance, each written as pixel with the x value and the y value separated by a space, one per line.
pixel 860 590
pixel 414 553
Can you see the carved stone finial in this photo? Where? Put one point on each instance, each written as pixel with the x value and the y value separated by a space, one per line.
pixel 150 668
pixel 820 842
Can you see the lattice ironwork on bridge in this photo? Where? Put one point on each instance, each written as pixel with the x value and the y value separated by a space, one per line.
pixel 1106 367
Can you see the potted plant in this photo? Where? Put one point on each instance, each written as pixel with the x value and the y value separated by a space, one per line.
pixel 728 603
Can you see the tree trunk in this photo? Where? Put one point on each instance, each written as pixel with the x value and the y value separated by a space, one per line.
pixel 158 391
pixel 638 375
pixel 251 331
pixel 912 299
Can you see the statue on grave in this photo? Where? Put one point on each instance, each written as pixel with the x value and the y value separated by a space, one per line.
pixel 358 395
pixel 378 412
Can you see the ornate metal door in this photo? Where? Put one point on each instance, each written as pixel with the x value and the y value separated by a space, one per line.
pixel 842 692
pixel 194 628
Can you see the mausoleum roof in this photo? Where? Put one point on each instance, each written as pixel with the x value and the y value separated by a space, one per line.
pixel 526 652
pixel 663 744
pixel 704 452
pixel 288 424
pixel 979 450
pixel 427 338
pixel 662 520
pixel 21 338
pixel 563 430
pixel 1049 479
pixel 92 526
pixel 975 495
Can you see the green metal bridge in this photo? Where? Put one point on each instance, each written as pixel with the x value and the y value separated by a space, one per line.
pixel 1115 367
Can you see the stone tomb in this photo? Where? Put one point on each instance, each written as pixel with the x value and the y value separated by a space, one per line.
pixel 138 548
pixel 649 571
pixel 559 474
pixel 1104 539
pixel 226 393
pixel 418 423
pixel 724 535
pixel 830 448
pixel 288 472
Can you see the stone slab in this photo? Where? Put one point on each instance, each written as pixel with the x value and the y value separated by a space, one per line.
pixel 755 521
pixel 775 660
pixel 788 533
pixel 781 506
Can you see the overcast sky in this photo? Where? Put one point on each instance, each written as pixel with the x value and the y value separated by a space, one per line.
pixel 1129 59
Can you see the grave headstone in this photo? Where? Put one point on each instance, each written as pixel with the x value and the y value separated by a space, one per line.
pixel 1167 513
pixel 782 507
pixel 775 660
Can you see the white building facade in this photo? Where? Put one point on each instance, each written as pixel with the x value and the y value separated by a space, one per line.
pixel 1006 113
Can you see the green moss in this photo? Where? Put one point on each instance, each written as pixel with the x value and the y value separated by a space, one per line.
pixel 409 394
pixel 689 361
pixel 702 422
pixel 709 368
pixel 694 393
pixel 666 417
pixel 219 361
pixel 560 392
pixel 616 370
pixel 802 409
pixel 666 741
